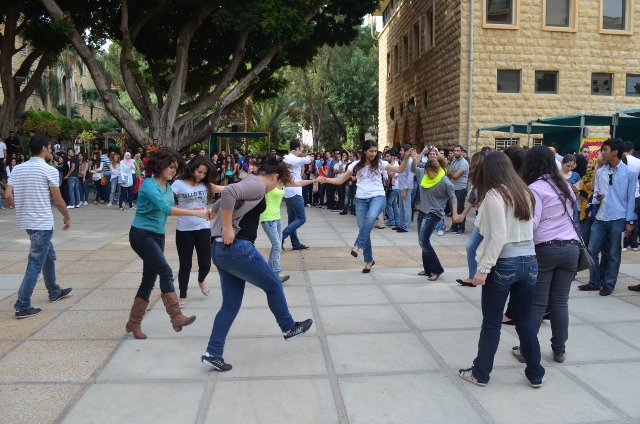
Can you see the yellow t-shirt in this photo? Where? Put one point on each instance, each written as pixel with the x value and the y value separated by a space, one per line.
pixel 273 198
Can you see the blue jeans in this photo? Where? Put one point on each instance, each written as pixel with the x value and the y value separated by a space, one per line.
pixel 515 277
pixel 113 187
pixel 600 231
pixel 296 218
pixel 41 258
pixel 392 207
pixel 430 261
pixel 273 230
pixel 322 189
pixel 74 191
pixel 84 190
pixel 367 212
pixel 405 210
pixel 472 245
pixel 126 193
pixel 349 198
pixel 150 247
pixel 238 264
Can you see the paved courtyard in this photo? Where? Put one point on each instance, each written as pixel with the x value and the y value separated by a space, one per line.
pixel 385 347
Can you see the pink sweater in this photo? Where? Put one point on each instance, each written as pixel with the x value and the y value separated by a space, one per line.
pixel 550 222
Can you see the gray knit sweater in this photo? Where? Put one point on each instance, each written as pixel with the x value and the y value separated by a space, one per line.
pixel 433 200
pixel 241 198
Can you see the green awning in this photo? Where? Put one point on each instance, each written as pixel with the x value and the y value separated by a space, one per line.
pixel 631 112
pixel 531 128
pixel 593 120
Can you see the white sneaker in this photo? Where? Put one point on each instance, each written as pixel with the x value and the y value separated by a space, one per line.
pixel 624 249
pixel 86 203
pixel 109 204
pixel 635 249
pixel 440 232
pixel 70 207
pixel 77 206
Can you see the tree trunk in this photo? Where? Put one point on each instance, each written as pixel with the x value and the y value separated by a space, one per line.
pixel 67 96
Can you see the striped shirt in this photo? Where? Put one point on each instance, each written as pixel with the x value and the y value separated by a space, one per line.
pixel 31 182
pixel 105 165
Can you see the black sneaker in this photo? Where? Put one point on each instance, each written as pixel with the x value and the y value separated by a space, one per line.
pixel 298 329
pixel 26 313
pixel 342 213
pixel 300 247
pixel 64 293
pixel 217 364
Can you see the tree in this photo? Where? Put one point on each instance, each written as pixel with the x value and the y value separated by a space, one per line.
pixel 203 58
pixel 279 118
pixel 91 97
pixel 30 36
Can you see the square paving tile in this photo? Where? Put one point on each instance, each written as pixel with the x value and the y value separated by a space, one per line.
pixel 364 353
pixel 627 331
pixel 586 344
pixel 510 387
pixel 273 357
pixel 81 325
pixel 6 293
pixel 138 403
pixel 325 277
pixel 349 295
pixel 250 322
pixel 19 329
pixel 24 403
pixel 5 346
pixel 101 299
pixel 269 401
pixel 361 319
pixel 418 398
pixel 255 297
pixel 603 309
pixel 11 281
pixel 49 361
pixel 458 349
pixel 614 382
pixel 438 316
pixel 425 292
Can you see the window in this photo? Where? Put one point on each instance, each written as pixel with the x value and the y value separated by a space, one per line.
pixel 80 94
pixel 508 81
pixel 416 40
pixel 503 143
pixel 546 82
pixel 405 52
pixel 396 60
pixel 559 15
pixel 601 84
pixel 615 17
pixel 425 99
pixel 500 14
pixel 388 66
pixel 633 85
pixel 25 47
pixel 429 29
pixel 538 141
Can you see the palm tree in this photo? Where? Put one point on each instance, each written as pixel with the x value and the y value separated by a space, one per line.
pixel 91 97
pixel 270 116
pixel 66 62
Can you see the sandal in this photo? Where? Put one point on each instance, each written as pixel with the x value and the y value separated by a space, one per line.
pixel 433 277
pixel 354 253
pixel 366 270
pixel 182 303
pixel 204 291
pixel 518 355
pixel 468 375
pixel 424 274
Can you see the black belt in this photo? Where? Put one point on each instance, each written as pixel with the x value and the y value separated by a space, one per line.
pixel 558 242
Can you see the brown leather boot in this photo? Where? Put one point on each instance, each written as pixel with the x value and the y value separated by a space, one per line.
pixel 138 310
pixel 178 320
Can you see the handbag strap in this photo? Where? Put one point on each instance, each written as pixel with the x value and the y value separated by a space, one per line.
pixel 564 203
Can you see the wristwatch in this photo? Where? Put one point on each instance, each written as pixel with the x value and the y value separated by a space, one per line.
pixel 484 270
pixel 630 222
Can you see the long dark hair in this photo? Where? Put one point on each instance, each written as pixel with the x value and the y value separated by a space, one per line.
pixel 540 163
pixel 475 167
pixel 374 163
pixel 95 163
pixel 163 158
pixel 210 178
pixel 270 164
pixel 498 174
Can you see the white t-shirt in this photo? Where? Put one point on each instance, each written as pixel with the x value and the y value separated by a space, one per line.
pixel 295 168
pixel 369 180
pixel 31 182
pixel 191 198
pixel 3 147
pixel 336 167
pixel 634 163
pixel 394 186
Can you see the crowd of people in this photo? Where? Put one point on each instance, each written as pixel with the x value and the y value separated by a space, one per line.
pixel 536 213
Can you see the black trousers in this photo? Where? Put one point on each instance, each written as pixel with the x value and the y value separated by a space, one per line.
pixel 461 196
pixel 150 247
pixel 185 242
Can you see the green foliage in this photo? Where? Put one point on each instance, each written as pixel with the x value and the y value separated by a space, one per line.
pixel 62 110
pixel 55 127
pixel 278 117
pixel 107 124
pixel 91 97
pixel 55 88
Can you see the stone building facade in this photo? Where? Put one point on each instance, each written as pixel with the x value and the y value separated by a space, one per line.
pixel 531 59
pixel 81 79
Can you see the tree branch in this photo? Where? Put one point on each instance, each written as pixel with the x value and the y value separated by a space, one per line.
pixel 343 131
pixel 157 80
pixel 35 77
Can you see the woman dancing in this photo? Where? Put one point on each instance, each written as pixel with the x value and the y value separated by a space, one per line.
pixel 235 229
pixel 370 195
pixel 155 203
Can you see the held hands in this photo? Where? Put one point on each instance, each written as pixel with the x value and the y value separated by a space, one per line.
pixel 415 156
pixel 409 153
pixel 458 218
pixel 320 180
pixel 203 213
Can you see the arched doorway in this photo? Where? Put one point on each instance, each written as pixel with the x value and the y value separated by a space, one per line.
pixel 419 134
pixel 396 137
pixel 406 137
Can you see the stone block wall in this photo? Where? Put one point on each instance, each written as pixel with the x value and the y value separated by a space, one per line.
pixel 436 71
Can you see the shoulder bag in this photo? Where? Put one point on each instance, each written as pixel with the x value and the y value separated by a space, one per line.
pixel 585 260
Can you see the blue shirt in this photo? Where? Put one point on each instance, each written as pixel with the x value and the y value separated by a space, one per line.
pixel 154 205
pixel 619 201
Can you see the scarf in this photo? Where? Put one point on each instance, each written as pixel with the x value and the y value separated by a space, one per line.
pixel 430 182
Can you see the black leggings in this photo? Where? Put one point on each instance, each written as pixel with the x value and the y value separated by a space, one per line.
pixel 185 242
